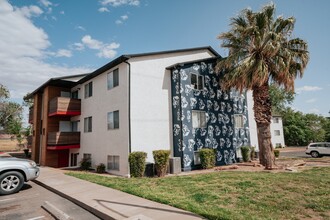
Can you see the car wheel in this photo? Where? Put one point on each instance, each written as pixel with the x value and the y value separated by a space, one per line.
pixel 315 154
pixel 11 182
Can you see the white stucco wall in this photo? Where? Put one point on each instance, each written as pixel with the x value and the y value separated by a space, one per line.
pixel 151 112
pixel 102 142
pixel 273 126
pixel 252 121
pixel 277 139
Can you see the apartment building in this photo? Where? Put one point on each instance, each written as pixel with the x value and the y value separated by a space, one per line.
pixel 141 102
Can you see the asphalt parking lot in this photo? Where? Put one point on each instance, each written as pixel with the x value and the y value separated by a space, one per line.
pixel 27 204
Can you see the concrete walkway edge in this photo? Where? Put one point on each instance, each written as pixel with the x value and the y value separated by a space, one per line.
pixel 107 203
pixel 90 209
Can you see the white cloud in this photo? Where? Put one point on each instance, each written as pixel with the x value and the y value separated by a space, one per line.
pixel 30 11
pixel 103 9
pixel 46 3
pixel 78 46
pixel 23 50
pixel 124 17
pixel 62 12
pixel 81 28
pixel 116 3
pixel 119 21
pixel 105 50
pixel 91 43
pixel 63 53
pixel 308 89
pixel 108 51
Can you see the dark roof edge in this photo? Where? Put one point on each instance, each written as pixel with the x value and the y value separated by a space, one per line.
pixel 174 51
pixel 124 58
pixel 55 79
pixel 104 68
pixel 194 61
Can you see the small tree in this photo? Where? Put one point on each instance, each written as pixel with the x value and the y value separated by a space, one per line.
pixel 137 163
pixel 245 150
pixel 161 158
pixel 207 157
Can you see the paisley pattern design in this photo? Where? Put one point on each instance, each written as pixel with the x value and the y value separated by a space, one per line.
pixel 219 107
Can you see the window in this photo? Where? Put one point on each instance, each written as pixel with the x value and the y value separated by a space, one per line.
pixel 74 94
pixel 113 79
pixel 197 81
pixel 113 162
pixel 75 126
pixel 88 124
pixel 277 132
pixel 276 120
pixel 88 90
pixel 113 120
pixel 198 119
pixel 238 121
pixel 87 157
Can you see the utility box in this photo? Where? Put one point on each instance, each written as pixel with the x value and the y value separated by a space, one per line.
pixel 175 165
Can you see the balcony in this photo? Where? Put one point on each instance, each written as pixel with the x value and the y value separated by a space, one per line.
pixel 63 140
pixel 59 106
pixel 31 115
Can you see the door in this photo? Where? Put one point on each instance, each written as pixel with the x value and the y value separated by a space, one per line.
pixel 63 158
pixel 74 158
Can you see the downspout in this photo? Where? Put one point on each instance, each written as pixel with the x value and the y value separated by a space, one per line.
pixel 129 106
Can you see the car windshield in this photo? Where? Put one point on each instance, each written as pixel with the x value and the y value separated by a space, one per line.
pixel 3 154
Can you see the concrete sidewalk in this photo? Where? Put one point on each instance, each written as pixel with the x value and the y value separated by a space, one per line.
pixel 107 203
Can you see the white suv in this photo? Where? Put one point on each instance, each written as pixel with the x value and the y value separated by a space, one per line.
pixel 14 172
pixel 318 149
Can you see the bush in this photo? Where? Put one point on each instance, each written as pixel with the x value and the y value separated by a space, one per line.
pixel 207 157
pixel 137 163
pixel 276 153
pixel 100 168
pixel 252 153
pixel 245 150
pixel 85 164
pixel 161 158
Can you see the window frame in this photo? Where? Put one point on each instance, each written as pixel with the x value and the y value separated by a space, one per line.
pixel 238 124
pixel 113 162
pixel 113 79
pixel 276 120
pixel 200 116
pixel 199 85
pixel 277 133
pixel 112 120
pixel 88 89
pixel 88 124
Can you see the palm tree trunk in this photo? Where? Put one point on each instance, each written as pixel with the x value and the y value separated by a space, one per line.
pixel 262 113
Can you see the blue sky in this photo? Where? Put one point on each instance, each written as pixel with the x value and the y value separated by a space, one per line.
pixel 41 39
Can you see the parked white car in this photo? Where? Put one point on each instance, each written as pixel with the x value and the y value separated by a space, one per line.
pixel 318 149
pixel 14 172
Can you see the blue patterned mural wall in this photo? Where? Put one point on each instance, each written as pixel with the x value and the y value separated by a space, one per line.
pixel 219 107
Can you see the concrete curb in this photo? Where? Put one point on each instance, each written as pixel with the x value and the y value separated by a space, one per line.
pixel 88 208
pixel 55 212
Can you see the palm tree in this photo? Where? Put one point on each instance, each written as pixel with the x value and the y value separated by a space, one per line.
pixel 262 51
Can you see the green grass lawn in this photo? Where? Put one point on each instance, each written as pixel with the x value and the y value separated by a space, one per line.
pixel 234 195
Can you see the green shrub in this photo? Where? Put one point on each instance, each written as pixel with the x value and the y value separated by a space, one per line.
pixel 100 168
pixel 276 153
pixel 85 164
pixel 161 158
pixel 137 163
pixel 207 157
pixel 252 153
pixel 245 150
